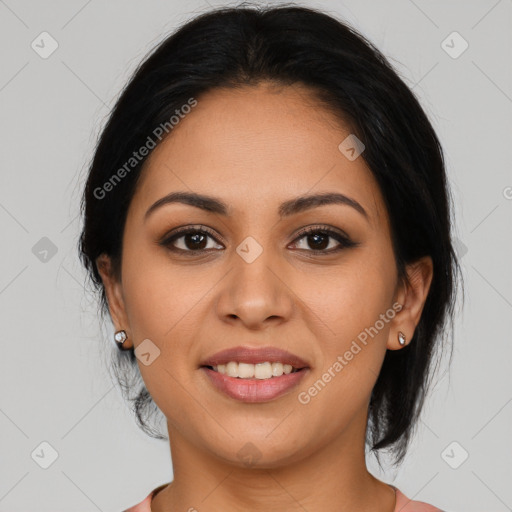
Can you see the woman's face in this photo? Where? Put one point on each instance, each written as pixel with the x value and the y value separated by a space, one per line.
pixel 253 280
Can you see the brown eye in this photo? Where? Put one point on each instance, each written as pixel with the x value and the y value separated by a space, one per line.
pixel 325 241
pixel 190 240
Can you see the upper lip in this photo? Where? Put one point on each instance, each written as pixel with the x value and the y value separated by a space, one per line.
pixel 250 355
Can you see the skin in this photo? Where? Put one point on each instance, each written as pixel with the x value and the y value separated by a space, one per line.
pixel 254 148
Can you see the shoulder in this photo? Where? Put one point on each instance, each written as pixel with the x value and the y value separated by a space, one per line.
pixel 145 504
pixel 404 504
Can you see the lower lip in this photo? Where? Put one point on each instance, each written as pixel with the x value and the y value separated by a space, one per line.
pixel 254 390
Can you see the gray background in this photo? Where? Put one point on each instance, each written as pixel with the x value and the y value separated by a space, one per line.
pixel 54 384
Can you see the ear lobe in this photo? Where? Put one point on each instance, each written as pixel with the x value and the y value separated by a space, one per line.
pixel 412 296
pixel 113 291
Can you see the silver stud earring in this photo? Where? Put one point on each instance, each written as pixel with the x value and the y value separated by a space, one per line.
pixel 120 337
pixel 401 338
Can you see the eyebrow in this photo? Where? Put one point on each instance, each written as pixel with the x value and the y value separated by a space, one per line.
pixel 286 209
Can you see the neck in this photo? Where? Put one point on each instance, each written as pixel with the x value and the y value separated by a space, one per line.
pixel 330 477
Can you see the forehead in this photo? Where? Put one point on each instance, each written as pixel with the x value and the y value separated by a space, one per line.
pixel 257 146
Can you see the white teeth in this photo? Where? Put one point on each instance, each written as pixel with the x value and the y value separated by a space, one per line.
pixel 277 369
pixel 245 371
pixel 264 370
pixel 231 369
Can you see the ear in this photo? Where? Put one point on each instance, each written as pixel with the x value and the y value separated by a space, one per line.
pixel 114 293
pixel 412 298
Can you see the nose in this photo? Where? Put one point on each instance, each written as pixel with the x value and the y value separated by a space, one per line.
pixel 255 293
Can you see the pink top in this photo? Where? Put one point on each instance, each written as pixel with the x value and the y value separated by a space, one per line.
pixel 403 504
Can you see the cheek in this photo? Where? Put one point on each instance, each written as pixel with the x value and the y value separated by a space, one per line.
pixel 350 314
pixel 162 306
pixel 351 347
pixel 157 295
pixel 343 301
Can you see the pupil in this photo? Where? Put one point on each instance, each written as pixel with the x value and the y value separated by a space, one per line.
pixel 319 246
pixel 196 237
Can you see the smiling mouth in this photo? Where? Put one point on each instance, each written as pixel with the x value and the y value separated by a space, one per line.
pixel 262 371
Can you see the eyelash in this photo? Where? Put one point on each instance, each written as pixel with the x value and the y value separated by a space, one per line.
pixel 344 241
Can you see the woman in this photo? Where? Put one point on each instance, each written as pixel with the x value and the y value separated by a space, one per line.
pixel 267 220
